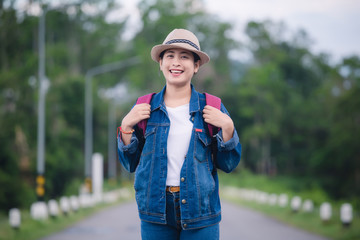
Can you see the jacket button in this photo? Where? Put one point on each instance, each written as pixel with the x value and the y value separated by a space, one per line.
pixel 185 225
pixel 183 201
pixel 182 179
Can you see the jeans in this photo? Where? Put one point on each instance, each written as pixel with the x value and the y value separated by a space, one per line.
pixel 172 230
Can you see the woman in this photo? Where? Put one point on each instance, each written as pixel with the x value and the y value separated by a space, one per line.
pixel 176 182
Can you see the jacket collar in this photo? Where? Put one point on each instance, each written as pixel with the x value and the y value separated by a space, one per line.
pixel 158 100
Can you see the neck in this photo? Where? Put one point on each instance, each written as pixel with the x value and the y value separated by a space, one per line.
pixel 177 96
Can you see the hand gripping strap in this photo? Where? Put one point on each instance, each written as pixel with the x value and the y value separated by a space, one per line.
pixel 216 103
pixel 144 99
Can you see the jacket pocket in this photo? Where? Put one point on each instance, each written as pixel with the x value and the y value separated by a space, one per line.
pixel 202 146
pixel 149 145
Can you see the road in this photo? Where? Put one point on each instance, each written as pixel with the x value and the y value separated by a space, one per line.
pixel 121 222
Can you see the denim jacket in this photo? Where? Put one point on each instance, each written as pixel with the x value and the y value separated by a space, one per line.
pixel 199 185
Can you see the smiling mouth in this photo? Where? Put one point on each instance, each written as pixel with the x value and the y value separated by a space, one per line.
pixel 176 71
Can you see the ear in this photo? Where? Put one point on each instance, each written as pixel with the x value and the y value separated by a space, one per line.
pixel 196 66
pixel 160 64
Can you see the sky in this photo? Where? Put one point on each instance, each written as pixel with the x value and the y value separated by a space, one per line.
pixel 333 25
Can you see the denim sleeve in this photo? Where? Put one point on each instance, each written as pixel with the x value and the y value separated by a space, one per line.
pixel 228 153
pixel 129 155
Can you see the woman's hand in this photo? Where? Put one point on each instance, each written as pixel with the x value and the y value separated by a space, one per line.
pixel 137 113
pixel 219 119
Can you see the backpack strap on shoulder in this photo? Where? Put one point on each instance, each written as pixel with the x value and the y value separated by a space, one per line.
pixel 216 103
pixel 144 99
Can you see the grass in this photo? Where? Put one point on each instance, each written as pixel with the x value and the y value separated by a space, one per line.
pixel 310 222
pixel 35 229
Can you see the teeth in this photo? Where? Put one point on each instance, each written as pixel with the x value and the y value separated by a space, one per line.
pixel 174 71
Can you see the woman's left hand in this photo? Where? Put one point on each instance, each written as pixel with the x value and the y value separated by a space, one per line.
pixel 219 119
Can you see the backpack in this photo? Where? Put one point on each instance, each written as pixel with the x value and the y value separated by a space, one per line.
pixel 210 100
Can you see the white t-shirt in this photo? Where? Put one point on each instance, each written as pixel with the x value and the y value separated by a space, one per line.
pixel 178 142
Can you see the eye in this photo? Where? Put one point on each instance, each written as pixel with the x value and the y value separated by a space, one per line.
pixel 169 55
pixel 185 57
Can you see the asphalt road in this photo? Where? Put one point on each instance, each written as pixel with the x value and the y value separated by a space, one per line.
pixel 121 222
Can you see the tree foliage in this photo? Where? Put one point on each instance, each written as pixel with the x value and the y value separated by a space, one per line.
pixel 299 113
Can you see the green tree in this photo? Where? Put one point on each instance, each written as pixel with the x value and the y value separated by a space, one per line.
pixel 337 160
pixel 17 115
pixel 75 43
pixel 260 96
pixel 305 125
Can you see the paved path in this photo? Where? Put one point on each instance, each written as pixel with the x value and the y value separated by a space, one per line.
pixel 239 223
pixel 121 222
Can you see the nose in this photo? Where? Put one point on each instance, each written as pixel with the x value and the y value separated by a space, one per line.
pixel 176 61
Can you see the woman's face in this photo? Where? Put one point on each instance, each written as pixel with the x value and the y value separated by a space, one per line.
pixel 178 66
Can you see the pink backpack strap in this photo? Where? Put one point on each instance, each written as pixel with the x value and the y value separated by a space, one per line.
pixel 144 99
pixel 216 103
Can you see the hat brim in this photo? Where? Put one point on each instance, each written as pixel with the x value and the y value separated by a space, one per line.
pixel 158 49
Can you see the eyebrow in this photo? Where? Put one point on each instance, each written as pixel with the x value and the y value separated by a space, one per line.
pixel 182 52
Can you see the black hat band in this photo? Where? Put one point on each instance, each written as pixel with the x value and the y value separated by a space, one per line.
pixel 183 41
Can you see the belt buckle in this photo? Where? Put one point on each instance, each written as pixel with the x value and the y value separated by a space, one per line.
pixel 170 189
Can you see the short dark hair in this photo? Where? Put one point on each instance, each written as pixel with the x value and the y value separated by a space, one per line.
pixel 196 57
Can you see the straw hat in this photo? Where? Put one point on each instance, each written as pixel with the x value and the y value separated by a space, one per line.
pixel 180 38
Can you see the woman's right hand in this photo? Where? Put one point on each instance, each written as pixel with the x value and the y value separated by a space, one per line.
pixel 137 113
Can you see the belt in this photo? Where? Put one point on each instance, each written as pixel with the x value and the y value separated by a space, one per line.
pixel 172 189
